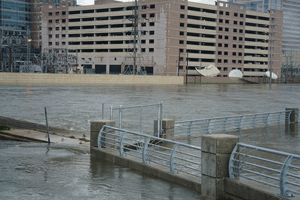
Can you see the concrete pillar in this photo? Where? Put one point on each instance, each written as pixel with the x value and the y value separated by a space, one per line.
pixel 216 151
pixel 96 126
pixel 167 127
pixel 294 114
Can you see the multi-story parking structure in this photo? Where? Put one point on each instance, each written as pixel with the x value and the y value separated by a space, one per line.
pixel 172 31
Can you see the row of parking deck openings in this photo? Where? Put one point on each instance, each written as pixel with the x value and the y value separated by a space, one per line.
pixel 113 69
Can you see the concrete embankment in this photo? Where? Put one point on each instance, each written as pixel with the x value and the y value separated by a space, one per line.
pixel 86 79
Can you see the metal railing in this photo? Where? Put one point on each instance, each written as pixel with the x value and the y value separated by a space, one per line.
pixel 138 110
pixel 176 156
pixel 273 168
pixel 231 123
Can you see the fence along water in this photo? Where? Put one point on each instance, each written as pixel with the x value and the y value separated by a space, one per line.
pixel 273 168
pixel 223 124
pixel 178 157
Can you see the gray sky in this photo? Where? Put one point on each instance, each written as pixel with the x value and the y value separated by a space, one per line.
pixel 91 2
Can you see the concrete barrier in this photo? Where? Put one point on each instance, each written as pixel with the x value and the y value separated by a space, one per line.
pixel 86 79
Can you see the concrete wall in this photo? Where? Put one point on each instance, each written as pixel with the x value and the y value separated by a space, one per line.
pixel 86 79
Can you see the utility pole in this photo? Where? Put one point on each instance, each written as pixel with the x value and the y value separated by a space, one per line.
pixel 271 56
pixel 187 66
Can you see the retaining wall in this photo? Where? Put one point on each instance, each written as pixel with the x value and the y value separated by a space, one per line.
pixel 86 79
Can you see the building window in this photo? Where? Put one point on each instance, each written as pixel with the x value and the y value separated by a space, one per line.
pixel 220 20
pixel 227 13
pixel 219 52
pixel 63 28
pixel 143 50
pixel 50 28
pixel 63 35
pixel 50 21
pixel 227 21
pixel 152 15
pixel 241 15
pixel 57 43
pixel 225 53
pixel 234 46
pixel 219 61
pixel 220 36
pixel 240 46
pixel 225 45
pixel 241 23
pixel 226 37
pixel 181 50
pixel 57 28
pixel 226 29
pixel 240 62
pixel 143 24
pixel 219 44
pixel 50 13
pixel 241 30
pixel 181 15
pixel 151 23
pixel 143 15
pixel 220 29
pixel 151 33
pixel 151 49
pixel 50 36
pixel 57 21
pixel 234 38
pixel 152 6
pixel 57 35
pixel 182 7
pixel 181 42
pixel 240 54
pixel 234 53
pixel 221 12
pixel 235 30
pixel 63 21
pixel 181 24
pixel 50 43
pixel 57 13
pixel 63 13
pixel 151 41
pixel 235 14
pixel 181 33
pixel 240 39
pixel 143 41
pixel 63 43
pixel 235 22
pixel 225 61
pixel 233 61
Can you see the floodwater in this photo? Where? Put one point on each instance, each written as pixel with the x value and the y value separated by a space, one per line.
pixel 31 171
pixel 39 171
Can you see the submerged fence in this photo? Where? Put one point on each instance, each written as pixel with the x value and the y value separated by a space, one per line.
pixel 176 156
pixel 273 168
pixel 138 118
pixel 224 124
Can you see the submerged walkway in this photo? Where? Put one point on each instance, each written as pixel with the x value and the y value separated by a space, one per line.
pixel 32 132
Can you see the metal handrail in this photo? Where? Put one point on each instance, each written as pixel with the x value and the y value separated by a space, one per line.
pixel 177 156
pixel 229 123
pixel 258 164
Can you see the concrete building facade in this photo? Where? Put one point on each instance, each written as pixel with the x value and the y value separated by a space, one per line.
pixel 172 32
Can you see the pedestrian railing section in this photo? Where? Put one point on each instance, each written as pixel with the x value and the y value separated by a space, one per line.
pixel 273 168
pixel 141 118
pixel 231 123
pixel 177 157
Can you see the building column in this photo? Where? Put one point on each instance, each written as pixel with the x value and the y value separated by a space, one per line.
pixel 95 127
pixel 216 151
pixel 167 128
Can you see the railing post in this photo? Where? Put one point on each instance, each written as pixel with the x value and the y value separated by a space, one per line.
pixel 144 153
pixel 267 119
pixel 215 155
pixel 224 125
pixel 283 176
pixel 172 157
pixel 111 112
pixel 95 128
pixel 207 131
pixel 120 117
pixel 189 129
pixel 278 121
pixel 141 119
pixel 121 149
pixel 253 122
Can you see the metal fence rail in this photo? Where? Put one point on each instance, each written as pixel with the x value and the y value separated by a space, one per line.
pixel 224 124
pixel 274 168
pixel 176 156
pixel 138 118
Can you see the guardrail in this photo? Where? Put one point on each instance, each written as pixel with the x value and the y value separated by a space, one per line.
pixel 273 168
pixel 231 123
pixel 176 156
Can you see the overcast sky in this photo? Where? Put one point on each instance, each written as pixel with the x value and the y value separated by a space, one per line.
pixel 91 2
